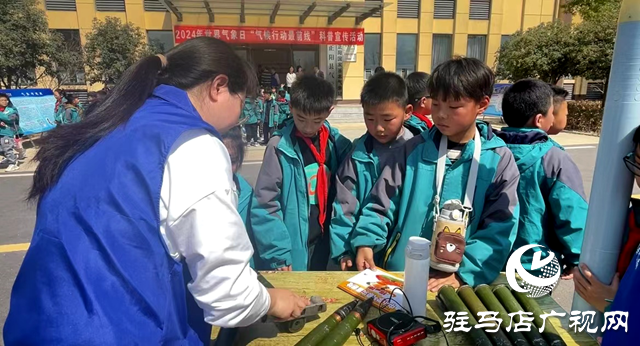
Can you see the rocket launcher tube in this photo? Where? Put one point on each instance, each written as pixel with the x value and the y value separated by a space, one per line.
pixel 490 301
pixel 323 329
pixel 474 304
pixel 448 297
pixel 511 304
pixel 550 333
pixel 340 334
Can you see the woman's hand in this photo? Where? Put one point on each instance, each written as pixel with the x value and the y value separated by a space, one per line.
pixel 593 290
pixel 285 305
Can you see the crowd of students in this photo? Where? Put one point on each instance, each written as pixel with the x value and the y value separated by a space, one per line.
pixel 265 114
pixel 322 200
pixel 179 223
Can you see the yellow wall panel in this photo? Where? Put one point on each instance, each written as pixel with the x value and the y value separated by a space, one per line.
pixel 478 27
pixel 548 7
pixel 372 25
pixel 460 44
pixel 493 45
pixel 530 20
pixel 407 26
pixel 512 14
pixel 443 26
pixel 158 20
pixel 532 7
pixel 62 20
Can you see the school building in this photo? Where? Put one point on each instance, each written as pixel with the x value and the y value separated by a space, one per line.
pixel 346 39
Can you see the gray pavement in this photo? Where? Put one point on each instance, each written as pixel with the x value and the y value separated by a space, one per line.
pixel 18 220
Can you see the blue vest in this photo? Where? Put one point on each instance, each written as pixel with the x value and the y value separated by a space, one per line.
pixel 97 271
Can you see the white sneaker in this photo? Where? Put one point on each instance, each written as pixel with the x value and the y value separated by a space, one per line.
pixel 12 167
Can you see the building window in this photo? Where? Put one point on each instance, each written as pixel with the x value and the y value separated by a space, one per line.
pixel 60 5
pixel 160 40
pixel 442 49
pixel 406 54
pixel 110 5
pixel 595 91
pixel 408 8
pixel 477 47
pixel 71 39
pixel 444 9
pixel 480 9
pixel 371 54
pixel 154 6
pixel 504 39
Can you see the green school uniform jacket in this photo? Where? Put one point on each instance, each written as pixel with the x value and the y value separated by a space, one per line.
pixel 11 120
pixel 553 206
pixel 280 209
pixel 274 115
pixel 400 204
pixel 354 179
pixel 415 125
pixel 245 197
pixel 284 111
pixel 250 111
pixel 71 114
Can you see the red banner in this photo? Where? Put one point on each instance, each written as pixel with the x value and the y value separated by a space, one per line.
pixel 246 34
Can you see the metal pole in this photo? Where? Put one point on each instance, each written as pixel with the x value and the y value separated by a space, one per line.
pixel 612 182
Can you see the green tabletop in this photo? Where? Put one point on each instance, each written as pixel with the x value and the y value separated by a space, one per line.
pixel 325 284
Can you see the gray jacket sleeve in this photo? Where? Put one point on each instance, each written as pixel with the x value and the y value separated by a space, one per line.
pixel 379 212
pixel 345 207
pixel 488 247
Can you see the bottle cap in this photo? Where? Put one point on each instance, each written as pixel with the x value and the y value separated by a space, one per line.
pixel 418 248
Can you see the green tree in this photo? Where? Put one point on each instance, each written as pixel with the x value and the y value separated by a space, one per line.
pixel 111 47
pixel 547 51
pixel 28 50
pixel 588 9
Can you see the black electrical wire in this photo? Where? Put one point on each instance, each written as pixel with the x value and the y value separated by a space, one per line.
pixel 414 318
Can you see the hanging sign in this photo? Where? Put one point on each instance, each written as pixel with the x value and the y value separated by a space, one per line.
pixel 35 108
pixel 247 34
pixel 350 53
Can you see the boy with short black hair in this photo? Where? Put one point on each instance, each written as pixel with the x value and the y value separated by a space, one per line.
pixel 295 187
pixel 284 111
pixel 560 110
pixel 426 184
pixel 550 182
pixel 419 98
pixel 386 110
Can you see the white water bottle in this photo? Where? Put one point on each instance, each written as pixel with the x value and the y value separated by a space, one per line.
pixel 416 275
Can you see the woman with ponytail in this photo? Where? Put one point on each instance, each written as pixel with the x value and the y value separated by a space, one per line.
pixel 137 238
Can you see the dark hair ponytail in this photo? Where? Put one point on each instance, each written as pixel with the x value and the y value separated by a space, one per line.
pixel 188 65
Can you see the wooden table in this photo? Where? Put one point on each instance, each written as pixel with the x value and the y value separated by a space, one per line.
pixel 324 284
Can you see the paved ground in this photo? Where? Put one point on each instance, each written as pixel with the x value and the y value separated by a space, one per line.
pixel 18 218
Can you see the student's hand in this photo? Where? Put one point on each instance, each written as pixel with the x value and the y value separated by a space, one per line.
pixel 364 259
pixel 345 263
pixel 2 124
pixel 285 305
pixel 593 290
pixel 567 273
pixel 285 269
pixel 438 279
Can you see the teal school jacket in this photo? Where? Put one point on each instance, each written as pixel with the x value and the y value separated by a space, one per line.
pixel 250 111
pixel 416 125
pixel 401 204
pixel 280 213
pixel 553 205
pixel 11 120
pixel 245 197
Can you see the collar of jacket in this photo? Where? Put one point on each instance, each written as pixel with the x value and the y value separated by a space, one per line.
pixel 488 139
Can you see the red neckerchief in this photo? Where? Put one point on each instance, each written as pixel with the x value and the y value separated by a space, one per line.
pixel 322 190
pixel 2 109
pixel 281 99
pixel 424 119
pixel 630 247
pixel 58 105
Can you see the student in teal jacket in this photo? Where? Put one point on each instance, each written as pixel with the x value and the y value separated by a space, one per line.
pixel 284 111
pixel 251 117
pixel 386 113
pixel 401 203
pixel 232 139
pixel 555 212
pixel 290 214
pixel 416 125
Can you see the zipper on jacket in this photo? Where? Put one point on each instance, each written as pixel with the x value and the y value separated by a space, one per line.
pixel 391 248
